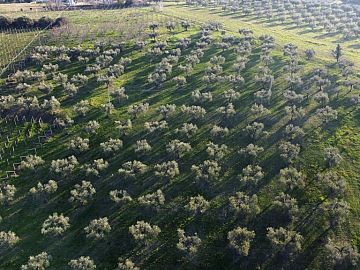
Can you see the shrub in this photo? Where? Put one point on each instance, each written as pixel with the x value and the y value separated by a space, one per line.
pixel 22 23
pixel 44 22
pixel 5 22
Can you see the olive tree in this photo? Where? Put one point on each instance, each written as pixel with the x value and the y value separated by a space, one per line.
pixel 337 211
pixel 126 265
pixel 178 148
pixel 142 147
pixel 240 239
pixel 132 169
pixel 65 166
pixel 31 162
pixel 97 166
pixel 155 199
pixel 98 228
pixel 218 131
pixel 157 78
pixel 286 241
pixel 202 98
pixel 215 151
pixel 342 253
pixel 195 112
pixel 294 133
pixel 227 111
pixel 188 129
pixel 82 107
pixel 255 130
pixel 124 127
pixel 55 225
pixel 251 175
pixel 144 232
pixel 337 53
pixel 288 151
pixel 82 194
pixel 231 95
pixel 71 89
pixel 292 178
pixel 136 109
pixel 170 26
pixel 82 263
pixel 155 125
pixel 79 144
pixel 326 114
pixel 188 244
pixel 294 112
pixel 334 184
pixel 208 170
pixel 332 156
pixel 252 150
pixel 153 26
pixel 185 25
pixel 167 110
pixel 111 146
pixel 197 205
pixel 108 107
pixel 7 193
pixel 120 196
pixel 287 205
pixel 321 98
pixel 244 204
pixel 292 97
pixel 37 262
pixel 310 54
pixel 8 240
pixel 180 81
pixel 119 94
pixel 169 169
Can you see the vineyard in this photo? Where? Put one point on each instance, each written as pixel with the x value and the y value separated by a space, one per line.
pixel 197 135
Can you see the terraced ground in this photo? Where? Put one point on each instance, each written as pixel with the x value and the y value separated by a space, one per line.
pixel 26 213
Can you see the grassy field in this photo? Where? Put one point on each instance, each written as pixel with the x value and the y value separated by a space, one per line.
pixel 26 215
pixel 320 41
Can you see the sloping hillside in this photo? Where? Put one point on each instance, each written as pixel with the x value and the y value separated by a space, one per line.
pixel 188 146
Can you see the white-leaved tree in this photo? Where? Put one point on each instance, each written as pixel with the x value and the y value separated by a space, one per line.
pixel 98 228
pixel 144 232
pixel 55 225
pixel 82 263
pixel 37 262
